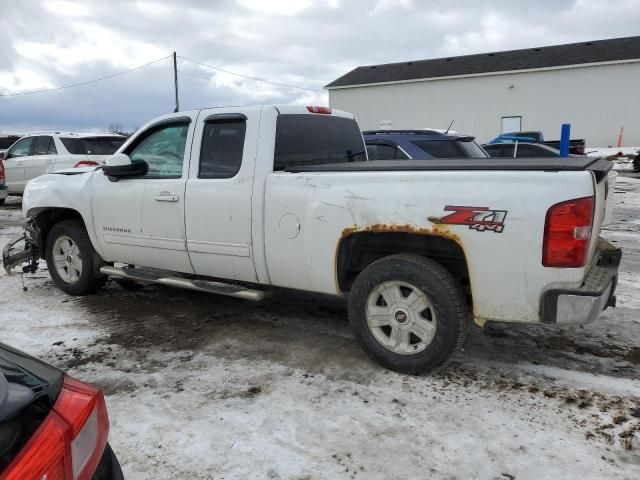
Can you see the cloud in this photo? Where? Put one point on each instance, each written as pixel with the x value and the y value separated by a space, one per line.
pixel 308 43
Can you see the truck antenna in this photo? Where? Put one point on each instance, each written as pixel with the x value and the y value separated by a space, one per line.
pixel 449 127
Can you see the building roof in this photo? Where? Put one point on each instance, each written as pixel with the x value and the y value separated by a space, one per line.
pixel 596 51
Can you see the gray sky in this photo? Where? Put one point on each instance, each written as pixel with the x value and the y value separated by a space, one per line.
pixel 46 44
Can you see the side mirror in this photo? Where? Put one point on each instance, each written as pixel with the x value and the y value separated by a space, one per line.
pixel 1 155
pixel 120 165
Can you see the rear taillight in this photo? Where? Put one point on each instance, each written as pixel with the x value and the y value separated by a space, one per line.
pixel 86 163
pixel 567 231
pixel 69 442
pixel 1 169
pixel 325 110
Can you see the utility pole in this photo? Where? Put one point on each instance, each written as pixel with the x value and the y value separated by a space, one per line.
pixel 175 80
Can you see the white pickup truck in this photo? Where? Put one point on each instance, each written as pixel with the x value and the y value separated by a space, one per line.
pixel 235 200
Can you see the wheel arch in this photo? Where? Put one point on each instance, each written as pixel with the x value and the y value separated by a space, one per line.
pixel 358 248
pixel 46 217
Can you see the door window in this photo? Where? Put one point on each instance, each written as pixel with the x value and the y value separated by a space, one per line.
pixel 52 148
pixel 41 145
pixel 528 151
pixel 222 148
pixel 382 151
pixel 507 150
pixel 21 148
pixel 163 150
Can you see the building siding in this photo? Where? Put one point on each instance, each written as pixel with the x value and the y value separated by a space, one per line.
pixel 595 100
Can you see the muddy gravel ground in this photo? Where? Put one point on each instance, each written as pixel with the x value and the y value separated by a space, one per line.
pixel 200 386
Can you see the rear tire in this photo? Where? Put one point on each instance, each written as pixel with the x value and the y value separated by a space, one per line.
pixel 73 263
pixel 408 313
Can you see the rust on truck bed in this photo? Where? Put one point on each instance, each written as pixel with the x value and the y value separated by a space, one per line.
pixel 438 229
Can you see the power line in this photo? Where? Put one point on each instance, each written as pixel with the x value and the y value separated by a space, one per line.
pixel 249 77
pixel 84 83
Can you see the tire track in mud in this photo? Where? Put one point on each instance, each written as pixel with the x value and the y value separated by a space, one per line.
pixel 611 419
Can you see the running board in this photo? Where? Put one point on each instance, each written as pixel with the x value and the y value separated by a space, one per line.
pixel 227 289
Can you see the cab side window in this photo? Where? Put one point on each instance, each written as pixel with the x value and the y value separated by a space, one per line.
pixel 21 148
pixel 222 148
pixel 163 150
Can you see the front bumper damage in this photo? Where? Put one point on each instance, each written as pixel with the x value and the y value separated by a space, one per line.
pixel 597 292
pixel 24 248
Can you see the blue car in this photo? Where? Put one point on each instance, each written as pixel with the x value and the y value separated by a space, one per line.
pixel 420 145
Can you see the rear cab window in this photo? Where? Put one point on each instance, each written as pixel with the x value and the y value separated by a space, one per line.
pixel 308 139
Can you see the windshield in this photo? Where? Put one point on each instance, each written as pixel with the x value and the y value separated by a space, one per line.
pixel 316 140
pixel 93 145
pixel 452 148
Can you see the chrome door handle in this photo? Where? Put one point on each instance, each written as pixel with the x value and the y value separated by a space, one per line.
pixel 19 163
pixel 166 197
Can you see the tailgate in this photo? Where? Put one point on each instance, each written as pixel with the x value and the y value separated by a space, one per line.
pixel 604 179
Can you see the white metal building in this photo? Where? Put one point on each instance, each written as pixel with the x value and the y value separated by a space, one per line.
pixel 594 86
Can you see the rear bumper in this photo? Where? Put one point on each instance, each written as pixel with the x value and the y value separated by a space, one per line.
pixel 597 292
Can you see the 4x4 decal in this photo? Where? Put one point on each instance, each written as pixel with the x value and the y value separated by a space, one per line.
pixel 478 218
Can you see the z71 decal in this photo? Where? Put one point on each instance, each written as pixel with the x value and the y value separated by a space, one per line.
pixel 478 218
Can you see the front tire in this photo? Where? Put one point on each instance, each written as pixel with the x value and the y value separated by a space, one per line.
pixel 73 263
pixel 408 313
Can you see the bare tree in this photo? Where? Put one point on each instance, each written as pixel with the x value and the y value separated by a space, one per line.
pixel 115 127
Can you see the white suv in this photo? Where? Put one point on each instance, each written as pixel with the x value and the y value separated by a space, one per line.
pixel 40 153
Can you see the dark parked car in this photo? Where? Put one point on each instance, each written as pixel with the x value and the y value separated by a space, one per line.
pixel 520 149
pixel 6 141
pixel 52 426
pixel 420 145
pixel 576 146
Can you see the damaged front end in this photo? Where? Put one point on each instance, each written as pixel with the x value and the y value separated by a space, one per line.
pixel 24 249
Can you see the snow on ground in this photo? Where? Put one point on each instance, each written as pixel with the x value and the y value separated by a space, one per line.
pixel 203 387
pixel 606 152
